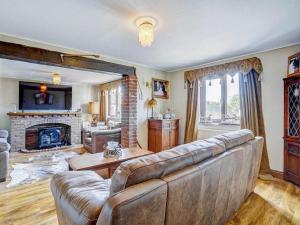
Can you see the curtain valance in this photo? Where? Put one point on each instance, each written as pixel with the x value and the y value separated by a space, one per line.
pixel 110 85
pixel 242 66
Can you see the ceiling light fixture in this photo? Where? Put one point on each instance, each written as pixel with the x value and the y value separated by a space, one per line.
pixel 146 30
pixel 56 78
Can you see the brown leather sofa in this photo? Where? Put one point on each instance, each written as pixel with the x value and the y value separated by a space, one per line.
pixel 93 141
pixel 203 182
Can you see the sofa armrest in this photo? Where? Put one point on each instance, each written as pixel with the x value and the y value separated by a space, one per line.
pixel 79 196
pixel 3 165
pixel 128 206
pixel 4 145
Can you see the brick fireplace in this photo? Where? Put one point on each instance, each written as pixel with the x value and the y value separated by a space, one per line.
pixel 25 127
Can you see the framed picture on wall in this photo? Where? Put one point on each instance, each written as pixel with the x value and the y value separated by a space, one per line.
pixel 160 88
pixel 293 64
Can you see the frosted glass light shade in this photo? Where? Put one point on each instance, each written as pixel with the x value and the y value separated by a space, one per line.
pixel 146 34
pixel 146 30
pixel 56 78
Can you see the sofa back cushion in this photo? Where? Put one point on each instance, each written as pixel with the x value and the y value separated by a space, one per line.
pixel 164 163
pixel 161 164
pixel 235 138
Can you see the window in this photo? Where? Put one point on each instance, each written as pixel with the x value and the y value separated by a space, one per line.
pixel 219 101
pixel 114 104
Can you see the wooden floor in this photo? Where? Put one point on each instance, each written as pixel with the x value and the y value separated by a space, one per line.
pixel 273 203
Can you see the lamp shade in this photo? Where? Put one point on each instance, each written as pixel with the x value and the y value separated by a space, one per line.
pixel 152 103
pixel 93 108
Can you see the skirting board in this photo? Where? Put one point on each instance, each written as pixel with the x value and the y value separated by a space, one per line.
pixel 277 174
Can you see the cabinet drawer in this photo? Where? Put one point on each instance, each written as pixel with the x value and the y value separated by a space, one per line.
pixel 166 124
pixel 170 124
pixel 155 124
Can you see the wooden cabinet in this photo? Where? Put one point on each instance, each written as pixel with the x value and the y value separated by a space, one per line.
pixel 291 129
pixel 162 134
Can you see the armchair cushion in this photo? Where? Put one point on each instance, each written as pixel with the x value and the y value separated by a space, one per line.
pixel 80 194
pixel 88 140
pixel 4 146
pixel 88 134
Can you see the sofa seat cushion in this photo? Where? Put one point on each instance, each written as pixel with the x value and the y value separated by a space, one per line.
pixel 81 194
pixel 3 134
pixel 235 138
pixel 4 146
pixel 161 164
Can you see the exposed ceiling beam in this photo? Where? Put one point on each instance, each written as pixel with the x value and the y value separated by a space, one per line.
pixel 52 58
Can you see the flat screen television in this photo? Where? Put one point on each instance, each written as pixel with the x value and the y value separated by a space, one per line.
pixel 36 96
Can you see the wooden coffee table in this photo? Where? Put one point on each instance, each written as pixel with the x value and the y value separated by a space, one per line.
pixel 98 162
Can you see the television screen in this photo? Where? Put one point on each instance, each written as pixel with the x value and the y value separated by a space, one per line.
pixel 36 96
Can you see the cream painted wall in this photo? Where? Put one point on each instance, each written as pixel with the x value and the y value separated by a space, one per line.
pixel 274 70
pixel 9 95
pixel 145 75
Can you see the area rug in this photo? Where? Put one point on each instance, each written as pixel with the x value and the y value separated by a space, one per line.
pixel 39 167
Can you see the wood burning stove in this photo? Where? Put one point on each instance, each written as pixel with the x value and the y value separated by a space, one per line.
pixel 50 137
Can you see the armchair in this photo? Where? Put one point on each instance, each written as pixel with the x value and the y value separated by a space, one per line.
pixel 93 140
pixel 4 154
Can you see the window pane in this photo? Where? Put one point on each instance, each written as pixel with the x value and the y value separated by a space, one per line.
pixel 213 100
pixel 119 102
pixel 113 105
pixel 233 101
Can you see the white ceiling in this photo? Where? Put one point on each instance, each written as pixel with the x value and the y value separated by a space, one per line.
pixel 189 32
pixel 36 72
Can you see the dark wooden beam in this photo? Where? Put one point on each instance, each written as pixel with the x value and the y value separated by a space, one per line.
pixel 52 58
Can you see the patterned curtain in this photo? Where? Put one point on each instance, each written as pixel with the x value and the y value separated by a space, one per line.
pixel 242 66
pixel 251 112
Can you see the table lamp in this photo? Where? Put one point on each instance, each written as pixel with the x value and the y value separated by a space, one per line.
pixel 94 110
pixel 152 103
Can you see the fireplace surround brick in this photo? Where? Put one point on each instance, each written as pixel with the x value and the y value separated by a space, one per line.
pixel 20 123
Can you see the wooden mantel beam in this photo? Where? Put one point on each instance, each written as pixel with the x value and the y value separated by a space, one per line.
pixel 52 58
